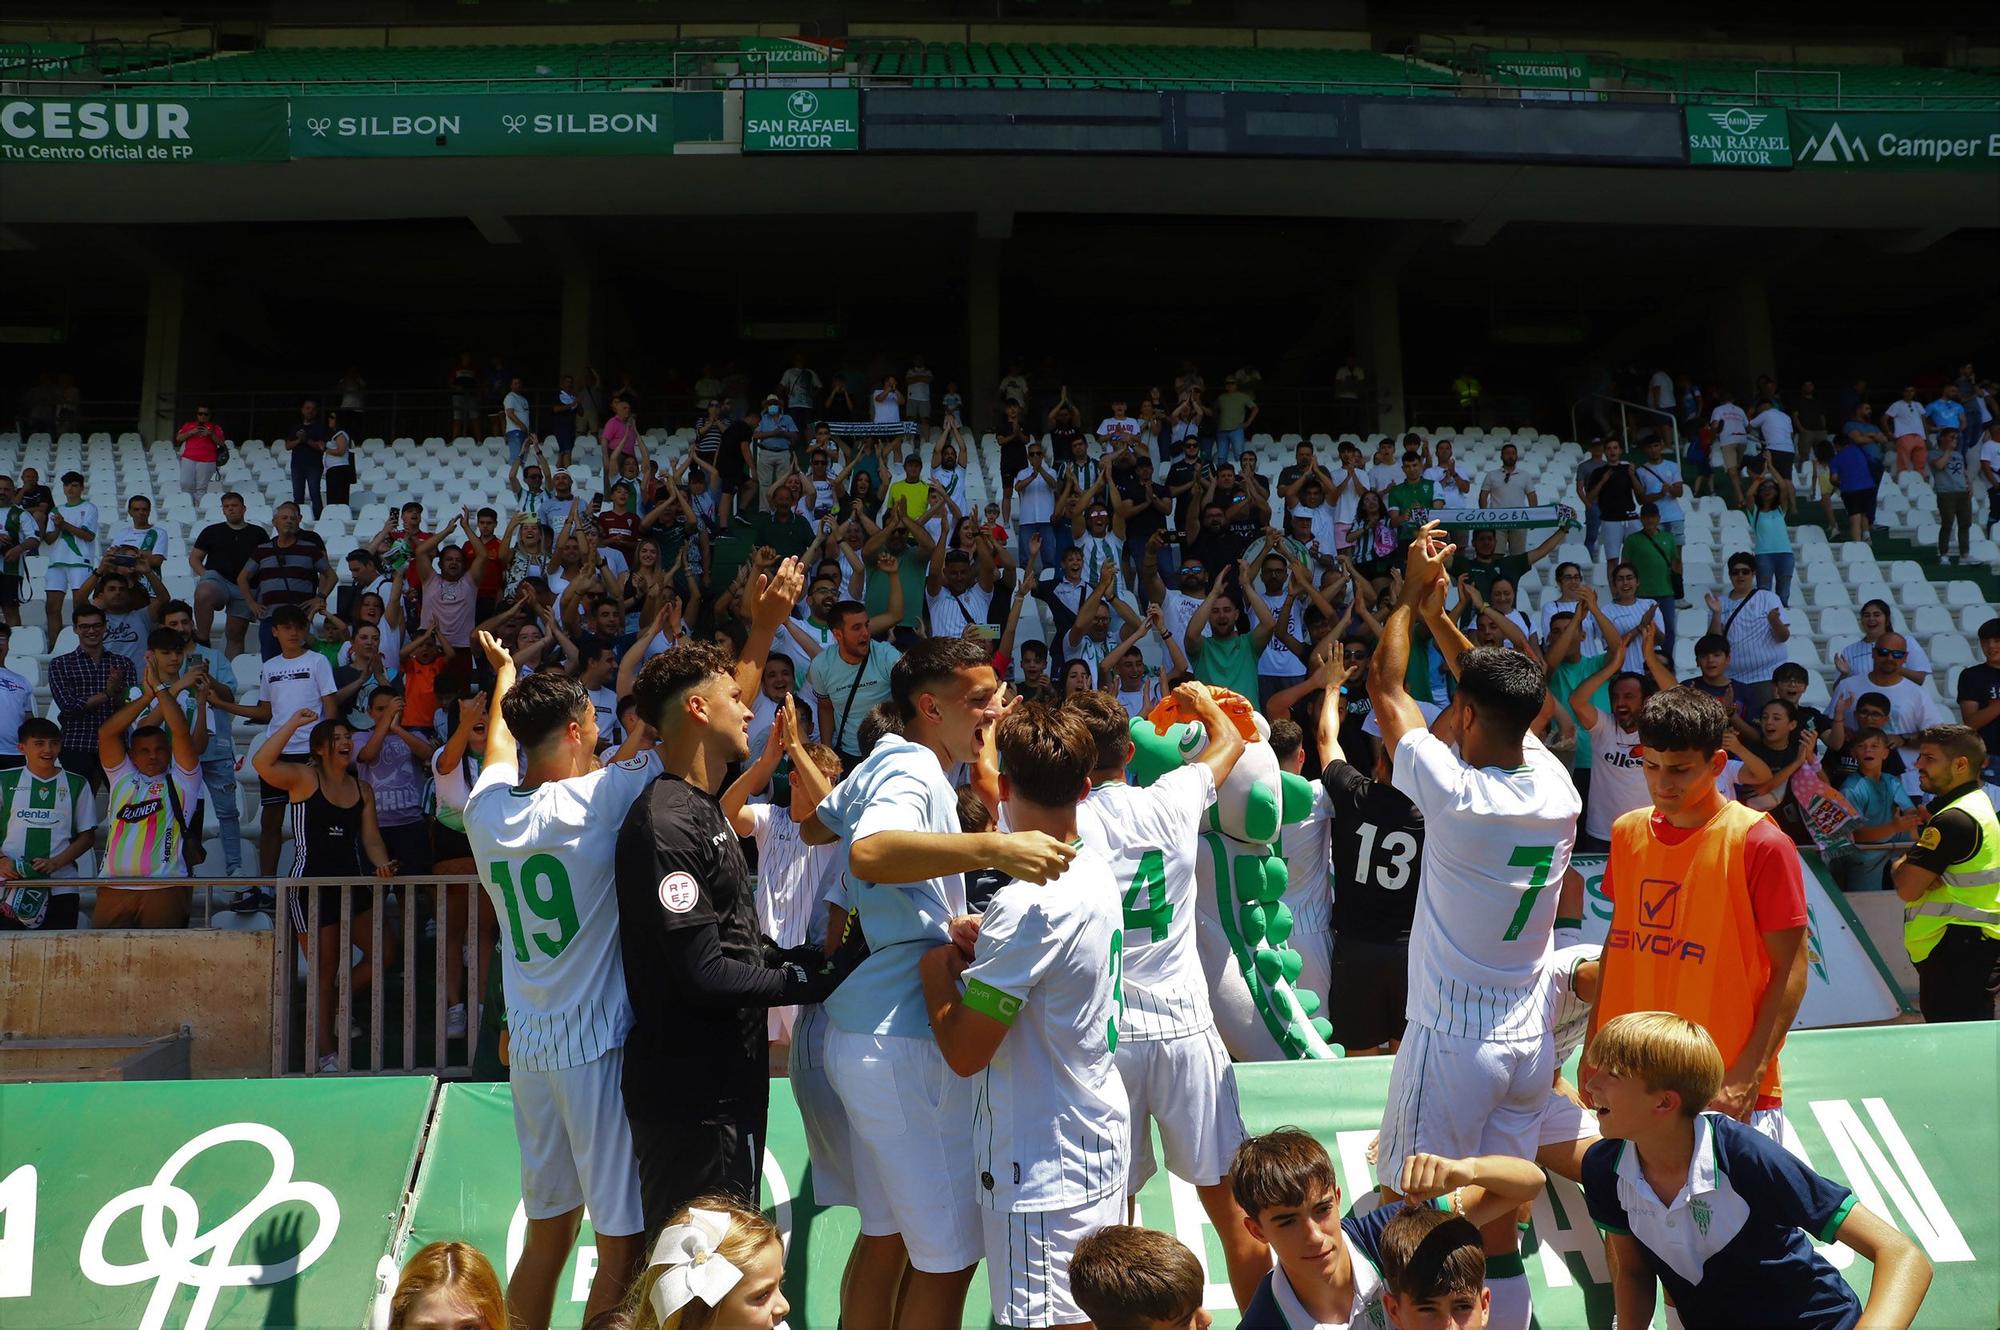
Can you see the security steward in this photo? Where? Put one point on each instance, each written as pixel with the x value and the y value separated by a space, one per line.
pixel 1950 882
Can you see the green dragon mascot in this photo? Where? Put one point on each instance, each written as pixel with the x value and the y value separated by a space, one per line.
pixel 1242 922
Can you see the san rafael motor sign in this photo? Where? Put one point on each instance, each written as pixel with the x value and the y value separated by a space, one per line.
pixel 1738 136
pixel 801 120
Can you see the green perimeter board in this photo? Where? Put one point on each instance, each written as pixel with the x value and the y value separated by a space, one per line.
pixel 162 131
pixel 1896 140
pixel 1904 1114
pixel 801 120
pixel 537 124
pixel 157 1205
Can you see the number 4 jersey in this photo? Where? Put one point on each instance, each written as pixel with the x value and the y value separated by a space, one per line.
pixel 545 856
pixel 1496 844
pixel 1151 837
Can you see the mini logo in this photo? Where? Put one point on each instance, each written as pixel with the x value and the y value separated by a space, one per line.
pixel 514 123
pixel 1699 1209
pixel 1736 120
pixel 802 104
pixel 319 124
pixel 679 892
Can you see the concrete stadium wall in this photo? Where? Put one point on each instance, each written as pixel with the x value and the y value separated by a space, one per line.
pixel 143 983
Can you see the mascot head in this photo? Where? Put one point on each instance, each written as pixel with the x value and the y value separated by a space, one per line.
pixel 1257 798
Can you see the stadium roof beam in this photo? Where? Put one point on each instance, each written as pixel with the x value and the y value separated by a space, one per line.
pixel 498 230
pixel 1478 231
pixel 1917 239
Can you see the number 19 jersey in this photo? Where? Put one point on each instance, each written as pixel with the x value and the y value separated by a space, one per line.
pixel 1496 844
pixel 545 857
pixel 1151 837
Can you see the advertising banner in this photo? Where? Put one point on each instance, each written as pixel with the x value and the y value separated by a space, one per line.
pixel 551 124
pixel 801 120
pixel 1846 984
pixel 185 1205
pixel 96 130
pixel 1897 140
pixel 1863 1107
pixel 1738 136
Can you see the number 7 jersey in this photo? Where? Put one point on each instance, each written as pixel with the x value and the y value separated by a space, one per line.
pixel 1496 844
pixel 1151 837
pixel 545 857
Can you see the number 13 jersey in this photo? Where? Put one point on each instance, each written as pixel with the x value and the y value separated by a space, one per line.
pixel 1151 837
pixel 1377 838
pixel 545 857
pixel 1496 844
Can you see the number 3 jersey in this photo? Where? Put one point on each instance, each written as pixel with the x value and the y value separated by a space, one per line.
pixel 1496 844
pixel 545 856
pixel 1151 837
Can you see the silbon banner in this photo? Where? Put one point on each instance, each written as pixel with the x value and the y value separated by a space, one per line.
pixel 564 124
pixel 84 130
pixel 1897 140
pixel 1864 1106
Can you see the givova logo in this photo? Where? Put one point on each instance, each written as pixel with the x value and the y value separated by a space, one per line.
pixel 1833 146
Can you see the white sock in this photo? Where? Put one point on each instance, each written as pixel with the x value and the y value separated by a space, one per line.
pixel 1511 1305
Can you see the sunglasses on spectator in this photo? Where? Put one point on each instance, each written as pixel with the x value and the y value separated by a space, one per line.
pixel 1892 655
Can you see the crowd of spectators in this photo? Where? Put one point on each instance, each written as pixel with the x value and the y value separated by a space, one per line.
pixel 1124 551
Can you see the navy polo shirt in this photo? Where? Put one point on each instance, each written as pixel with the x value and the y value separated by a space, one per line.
pixel 1731 1249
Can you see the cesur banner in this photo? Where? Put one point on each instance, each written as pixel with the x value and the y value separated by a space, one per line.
pixel 1846 983
pixel 1865 1106
pixel 131 129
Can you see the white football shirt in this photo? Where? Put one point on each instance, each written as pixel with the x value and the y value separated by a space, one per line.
pixel 1150 838
pixel 1052 1123
pixel 793 878
pixel 1617 775
pixel 1496 845
pixel 1308 851
pixel 545 857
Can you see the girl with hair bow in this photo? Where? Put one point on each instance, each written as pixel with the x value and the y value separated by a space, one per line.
pixel 717 1265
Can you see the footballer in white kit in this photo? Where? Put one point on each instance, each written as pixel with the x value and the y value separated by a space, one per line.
pixel 545 852
pixel 1037 1026
pixel 545 858
pixel 1497 844
pixel 1176 1071
pixel 1473 1072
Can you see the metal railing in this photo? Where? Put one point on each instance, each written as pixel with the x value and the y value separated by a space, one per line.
pixel 673 79
pixel 1624 427
pixel 419 974
pixel 296 1039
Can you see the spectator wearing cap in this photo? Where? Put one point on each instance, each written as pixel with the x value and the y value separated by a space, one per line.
pixel 773 438
pixel 200 445
pixel 1912 707
pixel 1953 489
pixel 1756 626
pixel 1235 413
